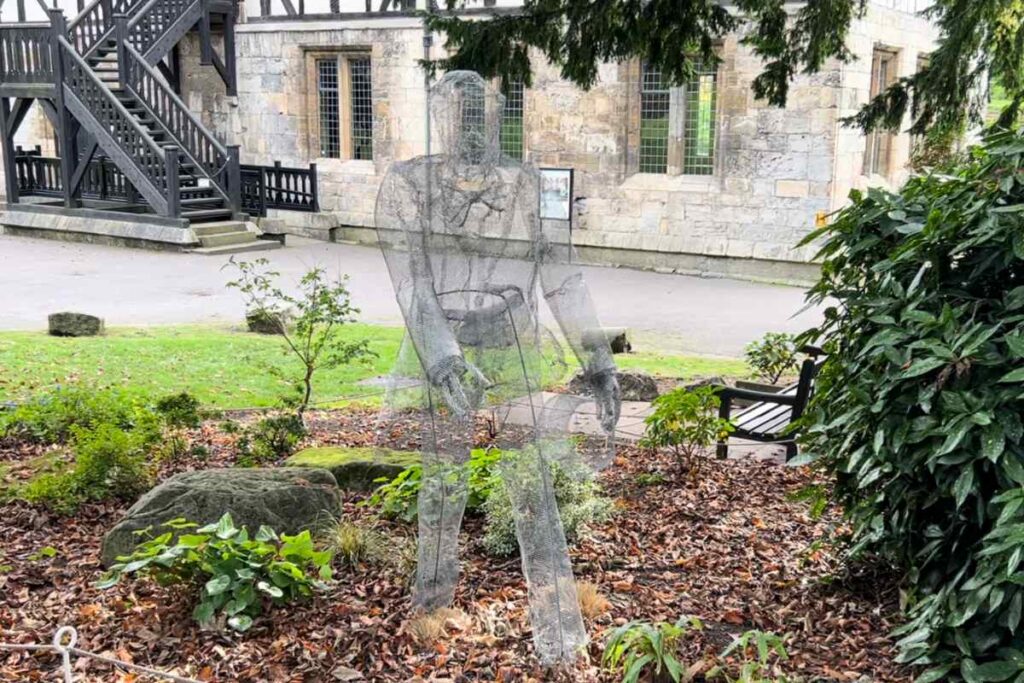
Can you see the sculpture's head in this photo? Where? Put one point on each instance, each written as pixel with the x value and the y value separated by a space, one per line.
pixel 466 118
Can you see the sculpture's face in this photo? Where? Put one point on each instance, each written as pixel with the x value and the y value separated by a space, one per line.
pixel 466 117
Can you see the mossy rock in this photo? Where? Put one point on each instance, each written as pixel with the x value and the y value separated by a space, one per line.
pixel 355 468
pixel 288 501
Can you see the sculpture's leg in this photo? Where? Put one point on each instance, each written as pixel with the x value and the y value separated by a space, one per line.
pixel 558 630
pixel 441 503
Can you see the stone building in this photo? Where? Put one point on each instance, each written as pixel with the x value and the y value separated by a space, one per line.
pixel 698 179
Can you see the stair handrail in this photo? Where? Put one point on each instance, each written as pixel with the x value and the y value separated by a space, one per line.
pixel 156 172
pixel 144 40
pixel 100 13
pixel 195 140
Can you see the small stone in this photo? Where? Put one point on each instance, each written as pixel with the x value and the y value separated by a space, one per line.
pixel 355 468
pixel 262 321
pixel 634 385
pixel 69 324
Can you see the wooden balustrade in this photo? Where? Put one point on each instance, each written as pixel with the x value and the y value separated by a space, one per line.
pixel 26 55
pixel 278 187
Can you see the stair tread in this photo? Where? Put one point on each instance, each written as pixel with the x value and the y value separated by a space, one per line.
pixel 258 245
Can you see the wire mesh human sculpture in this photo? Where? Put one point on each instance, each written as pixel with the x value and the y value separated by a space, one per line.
pixel 467 254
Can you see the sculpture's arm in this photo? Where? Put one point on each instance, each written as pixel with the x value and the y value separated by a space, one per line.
pixel 569 300
pixel 402 236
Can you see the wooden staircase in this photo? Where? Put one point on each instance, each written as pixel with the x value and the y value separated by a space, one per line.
pixel 105 85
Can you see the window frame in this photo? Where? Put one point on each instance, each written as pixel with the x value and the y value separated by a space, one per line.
pixel 680 135
pixel 345 57
pixel 879 144
pixel 521 87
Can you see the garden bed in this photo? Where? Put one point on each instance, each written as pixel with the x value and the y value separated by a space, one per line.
pixel 734 550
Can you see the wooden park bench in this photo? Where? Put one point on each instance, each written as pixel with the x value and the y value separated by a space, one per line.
pixel 768 418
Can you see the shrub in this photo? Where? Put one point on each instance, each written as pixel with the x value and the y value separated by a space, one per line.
pixel 235 576
pixel 579 501
pixel 180 410
pixel 640 649
pixel 354 544
pixel 580 504
pixel 270 439
pixel 686 422
pixel 397 499
pixel 109 463
pixel 321 309
pixel 772 356
pixel 917 411
pixel 50 417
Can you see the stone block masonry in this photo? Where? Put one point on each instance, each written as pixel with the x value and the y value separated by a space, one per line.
pixel 775 171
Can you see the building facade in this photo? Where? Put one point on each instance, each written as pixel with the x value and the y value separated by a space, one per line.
pixel 701 178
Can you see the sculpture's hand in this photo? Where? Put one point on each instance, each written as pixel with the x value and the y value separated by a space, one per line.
pixel 605 386
pixel 447 376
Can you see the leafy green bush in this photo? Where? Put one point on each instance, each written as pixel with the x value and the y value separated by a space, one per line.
pixel 640 649
pixel 686 422
pixel 235 575
pixel 772 356
pixel 397 498
pixel 270 439
pixel 180 410
pixel 50 417
pixel 918 407
pixel 109 463
pixel 579 499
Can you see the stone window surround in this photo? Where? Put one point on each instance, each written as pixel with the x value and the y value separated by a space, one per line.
pixel 312 53
pixel 674 177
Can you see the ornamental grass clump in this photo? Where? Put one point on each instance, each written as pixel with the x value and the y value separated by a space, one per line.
pixel 917 411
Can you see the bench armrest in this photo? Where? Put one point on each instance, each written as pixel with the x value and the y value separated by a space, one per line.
pixel 812 351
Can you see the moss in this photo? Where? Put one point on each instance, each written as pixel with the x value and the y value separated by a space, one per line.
pixel 355 468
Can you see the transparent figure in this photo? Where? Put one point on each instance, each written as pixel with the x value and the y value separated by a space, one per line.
pixel 469 260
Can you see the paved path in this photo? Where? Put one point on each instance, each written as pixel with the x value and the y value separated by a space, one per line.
pixel 670 313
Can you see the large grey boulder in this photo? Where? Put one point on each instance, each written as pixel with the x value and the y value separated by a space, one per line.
pixel 69 324
pixel 356 468
pixel 634 385
pixel 286 499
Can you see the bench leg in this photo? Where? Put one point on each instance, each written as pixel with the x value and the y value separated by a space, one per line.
pixel 724 410
pixel 791 450
pixel 722 450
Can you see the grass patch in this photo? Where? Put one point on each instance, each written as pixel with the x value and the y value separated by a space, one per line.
pixel 224 368
pixel 221 367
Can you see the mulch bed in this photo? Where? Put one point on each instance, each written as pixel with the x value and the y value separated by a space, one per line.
pixel 732 549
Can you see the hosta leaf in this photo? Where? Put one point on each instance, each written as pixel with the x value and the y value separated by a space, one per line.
pixel 203 613
pixel 272 591
pixel 218 584
pixel 240 622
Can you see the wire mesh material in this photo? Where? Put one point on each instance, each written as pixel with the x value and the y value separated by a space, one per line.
pixel 654 115
pixel 362 107
pixel 700 124
pixel 467 255
pixel 512 121
pixel 327 96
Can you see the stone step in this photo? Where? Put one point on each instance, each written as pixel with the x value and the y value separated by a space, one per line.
pixel 258 245
pixel 226 238
pixel 217 228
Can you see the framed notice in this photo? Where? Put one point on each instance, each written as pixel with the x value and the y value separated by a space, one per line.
pixel 556 194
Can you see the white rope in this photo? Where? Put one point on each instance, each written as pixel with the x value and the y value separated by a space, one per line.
pixel 64 640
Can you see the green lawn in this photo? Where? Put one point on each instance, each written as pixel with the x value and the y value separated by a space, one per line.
pixel 225 368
